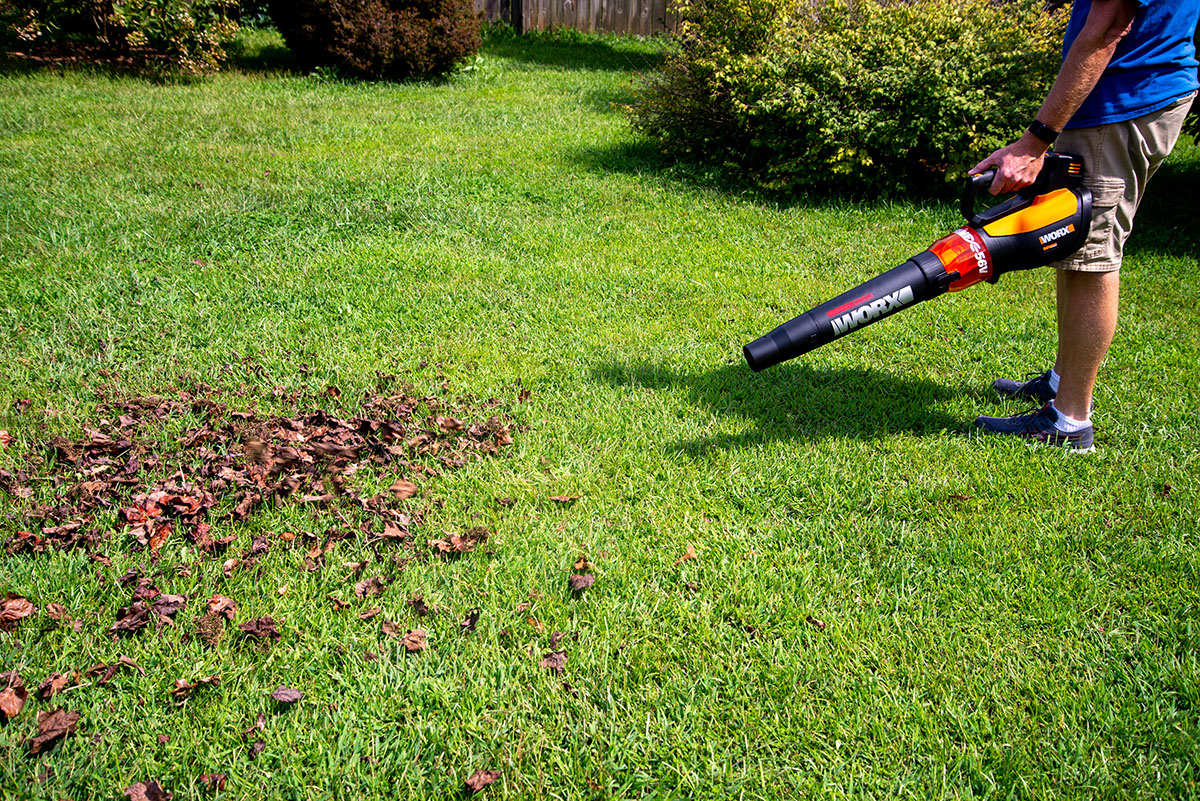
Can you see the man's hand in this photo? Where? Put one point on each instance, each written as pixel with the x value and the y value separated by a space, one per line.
pixel 1017 165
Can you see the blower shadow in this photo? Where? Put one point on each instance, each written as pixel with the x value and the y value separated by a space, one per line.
pixel 797 402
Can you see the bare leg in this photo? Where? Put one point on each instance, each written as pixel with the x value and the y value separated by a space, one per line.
pixel 1087 320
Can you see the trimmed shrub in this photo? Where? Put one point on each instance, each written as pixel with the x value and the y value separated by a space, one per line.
pixel 394 39
pixel 862 96
pixel 188 34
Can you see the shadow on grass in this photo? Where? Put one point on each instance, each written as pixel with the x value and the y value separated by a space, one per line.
pixel 1166 221
pixel 569 50
pixel 796 402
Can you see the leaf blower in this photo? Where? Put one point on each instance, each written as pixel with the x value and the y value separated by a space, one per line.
pixel 1046 221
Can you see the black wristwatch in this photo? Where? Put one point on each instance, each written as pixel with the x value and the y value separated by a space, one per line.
pixel 1043 131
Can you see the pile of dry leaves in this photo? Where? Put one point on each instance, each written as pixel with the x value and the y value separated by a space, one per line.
pixel 228 463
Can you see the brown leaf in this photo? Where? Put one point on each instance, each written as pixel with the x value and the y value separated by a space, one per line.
pixel 819 625
pixel 417 602
pixel 52 685
pixel 287 695
pixel 688 555
pixel 537 624
pixel 579 583
pixel 183 688
pixel 333 391
pixel 229 566
pixel 470 621
pixel 414 640
pixel 582 565
pixel 14 609
pixel 389 628
pixel 215 781
pixel 449 424
pixel 338 603
pixel 159 538
pixel 261 628
pixel 256 749
pixel 5 439
pixel 481 778
pixel 122 662
pixel 555 660
pixel 13 697
pixel 147 791
pixel 368 587
pixel 403 489
pixel 370 613
pixel 52 726
pixel 564 498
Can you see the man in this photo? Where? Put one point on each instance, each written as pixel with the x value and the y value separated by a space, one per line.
pixel 1126 83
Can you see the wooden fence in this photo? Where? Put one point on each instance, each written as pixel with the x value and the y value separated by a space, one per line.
pixel 617 16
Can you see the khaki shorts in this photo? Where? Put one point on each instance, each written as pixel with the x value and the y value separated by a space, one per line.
pixel 1119 159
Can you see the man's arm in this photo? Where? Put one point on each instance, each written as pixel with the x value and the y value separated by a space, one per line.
pixel 1107 23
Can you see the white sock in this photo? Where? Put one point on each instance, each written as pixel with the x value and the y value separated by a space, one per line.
pixel 1054 379
pixel 1068 424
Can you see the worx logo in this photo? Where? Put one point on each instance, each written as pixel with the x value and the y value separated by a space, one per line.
pixel 1057 233
pixel 871 311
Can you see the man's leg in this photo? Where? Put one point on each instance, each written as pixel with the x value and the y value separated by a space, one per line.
pixel 1087 319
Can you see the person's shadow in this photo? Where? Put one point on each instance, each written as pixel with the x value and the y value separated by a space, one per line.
pixel 796 402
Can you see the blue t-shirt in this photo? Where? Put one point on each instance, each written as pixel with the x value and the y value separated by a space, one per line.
pixel 1153 66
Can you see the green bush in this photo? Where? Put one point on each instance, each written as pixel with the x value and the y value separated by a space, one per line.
pixel 189 34
pixel 866 96
pixel 380 38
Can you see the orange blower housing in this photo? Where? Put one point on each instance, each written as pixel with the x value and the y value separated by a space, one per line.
pixel 1043 223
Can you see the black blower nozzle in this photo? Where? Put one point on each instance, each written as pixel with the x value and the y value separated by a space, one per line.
pixel 1045 222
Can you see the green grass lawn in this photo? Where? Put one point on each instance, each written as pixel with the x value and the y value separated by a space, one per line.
pixel 881 603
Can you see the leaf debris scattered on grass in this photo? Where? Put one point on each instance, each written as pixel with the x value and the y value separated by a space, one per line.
pixel 688 555
pixel 579 583
pixel 819 625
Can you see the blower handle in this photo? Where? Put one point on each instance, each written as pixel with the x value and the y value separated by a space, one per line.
pixel 972 186
pixel 1059 171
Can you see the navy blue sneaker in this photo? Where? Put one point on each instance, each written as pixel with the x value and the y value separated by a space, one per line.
pixel 1040 426
pixel 1033 387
